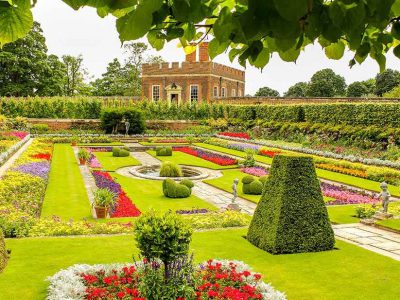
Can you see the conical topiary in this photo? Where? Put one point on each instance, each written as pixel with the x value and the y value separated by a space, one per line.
pixel 3 252
pixel 291 216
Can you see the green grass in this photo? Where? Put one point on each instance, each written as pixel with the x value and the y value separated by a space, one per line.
pixel 181 158
pixel 225 183
pixel 147 194
pixel 325 174
pixel 390 223
pixel 343 214
pixel 101 144
pixel 350 272
pixel 66 195
pixel 110 163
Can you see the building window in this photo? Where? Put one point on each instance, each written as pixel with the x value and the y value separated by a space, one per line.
pixel 223 92
pixel 194 93
pixel 239 93
pixel 155 95
pixel 215 92
pixel 233 93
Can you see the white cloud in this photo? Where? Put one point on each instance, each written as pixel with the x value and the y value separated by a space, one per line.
pixel 84 32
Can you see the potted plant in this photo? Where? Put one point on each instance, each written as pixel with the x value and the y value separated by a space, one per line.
pixel 83 156
pixel 103 200
pixel 74 141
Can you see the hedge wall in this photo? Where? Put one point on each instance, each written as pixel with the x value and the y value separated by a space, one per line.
pixel 354 114
pixel 291 216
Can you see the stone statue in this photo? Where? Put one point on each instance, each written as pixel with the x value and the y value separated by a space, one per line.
pixel 127 125
pixel 234 189
pixel 233 205
pixel 385 196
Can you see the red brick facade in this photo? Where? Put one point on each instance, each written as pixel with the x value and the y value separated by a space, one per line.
pixel 180 82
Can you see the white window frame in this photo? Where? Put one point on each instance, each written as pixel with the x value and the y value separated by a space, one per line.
pixel 197 93
pixel 153 94
pixel 223 92
pixel 215 92
pixel 233 93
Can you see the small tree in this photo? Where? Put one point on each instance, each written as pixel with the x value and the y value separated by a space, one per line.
pixel 165 237
pixel 357 89
pixel 386 81
pixel 297 90
pixel 266 92
pixel 291 216
pixel 326 83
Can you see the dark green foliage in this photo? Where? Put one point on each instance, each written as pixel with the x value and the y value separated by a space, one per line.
pixel 39 128
pixel 112 120
pixel 165 237
pixel 3 252
pixel 291 216
pixel 170 169
pixel 386 81
pixel 164 151
pixel 172 189
pixel 251 185
pixel 297 90
pixel 326 83
pixel 357 89
pixel 266 92
pixel 123 153
pixel 263 179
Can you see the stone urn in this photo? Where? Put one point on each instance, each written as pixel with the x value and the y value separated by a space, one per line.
pixel 101 212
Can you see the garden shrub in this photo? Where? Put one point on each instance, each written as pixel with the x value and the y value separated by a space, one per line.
pixel 123 153
pixel 365 211
pixel 116 151
pixel 172 189
pixel 111 120
pixel 39 128
pixel 263 179
pixel 188 183
pixel 3 252
pixel 251 185
pixel 291 216
pixel 164 151
pixel 165 237
pixel 170 169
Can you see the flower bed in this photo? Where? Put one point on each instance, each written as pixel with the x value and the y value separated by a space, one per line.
pixel 268 152
pixel 169 141
pixel 94 162
pixel 240 135
pixel 215 279
pixel 342 195
pixel 343 170
pixel 10 142
pixel 255 171
pixel 124 206
pixel 219 159
pixel 192 211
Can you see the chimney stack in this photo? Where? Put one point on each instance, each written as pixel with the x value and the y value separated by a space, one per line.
pixel 192 56
pixel 203 52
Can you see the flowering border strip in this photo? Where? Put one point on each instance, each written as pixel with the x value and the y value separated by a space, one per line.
pixel 72 283
pixel 219 159
pixel 240 135
pixel 4 156
pixel 327 154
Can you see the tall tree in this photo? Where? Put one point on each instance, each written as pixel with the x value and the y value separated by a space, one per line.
pixel 326 83
pixel 75 74
pixel 297 90
pixel 251 29
pixel 386 81
pixel 266 92
pixel 27 70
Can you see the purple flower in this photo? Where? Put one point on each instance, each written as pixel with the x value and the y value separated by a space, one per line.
pixel 192 211
pixel 255 171
pixel 342 195
pixel 40 169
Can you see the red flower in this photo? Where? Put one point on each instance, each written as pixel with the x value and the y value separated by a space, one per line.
pixel 46 156
pixel 240 135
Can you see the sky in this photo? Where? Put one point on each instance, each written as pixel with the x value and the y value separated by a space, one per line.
pixel 84 32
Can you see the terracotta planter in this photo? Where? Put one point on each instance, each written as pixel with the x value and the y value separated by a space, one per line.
pixel 73 144
pixel 82 161
pixel 101 212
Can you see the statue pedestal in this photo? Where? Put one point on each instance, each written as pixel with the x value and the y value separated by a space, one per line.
pixel 233 206
pixel 380 215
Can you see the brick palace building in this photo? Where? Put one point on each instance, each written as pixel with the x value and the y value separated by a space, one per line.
pixel 195 80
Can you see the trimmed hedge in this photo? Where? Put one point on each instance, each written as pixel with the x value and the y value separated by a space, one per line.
pixel 164 151
pixel 3 252
pixel 170 169
pixel 120 152
pixel 291 216
pixel 172 189
pixel 251 185
pixel 112 120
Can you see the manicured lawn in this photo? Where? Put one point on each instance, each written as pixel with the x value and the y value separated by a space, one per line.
pixel 66 195
pixel 343 214
pixel 110 163
pixel 391 223
pixel 329 175
pixel 147 194
pixel 181 158
pixel 101 144
pixel 225 183
pixel 350 272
